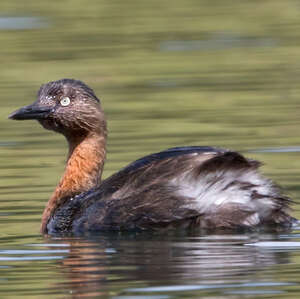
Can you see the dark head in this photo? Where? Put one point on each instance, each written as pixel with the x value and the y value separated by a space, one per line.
pixel 66 106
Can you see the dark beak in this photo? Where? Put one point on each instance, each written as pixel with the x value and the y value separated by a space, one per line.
pixel 33 111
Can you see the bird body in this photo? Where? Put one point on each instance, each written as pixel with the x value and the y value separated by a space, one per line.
pixel 190 187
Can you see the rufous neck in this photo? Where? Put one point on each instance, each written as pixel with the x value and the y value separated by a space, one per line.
pixel 85 163
pixel 82 172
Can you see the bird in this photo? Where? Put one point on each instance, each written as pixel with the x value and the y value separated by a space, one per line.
pixel 189 187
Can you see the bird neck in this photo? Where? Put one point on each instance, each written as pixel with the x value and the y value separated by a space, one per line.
pixel 82 172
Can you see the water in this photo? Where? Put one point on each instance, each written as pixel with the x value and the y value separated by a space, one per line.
pixel 169 73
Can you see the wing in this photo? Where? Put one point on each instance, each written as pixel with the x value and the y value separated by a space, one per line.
pixel 155 167
pixel 162 188
pixel 199 186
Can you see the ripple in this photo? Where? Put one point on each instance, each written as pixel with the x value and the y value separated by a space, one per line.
pixel 179 288
pixel 7 144
pixel 21 23
pixel 288 149
pixel 31 258
pixel 32 251
pixel 254 292
pixel 175 288
pixel 275 244
pixel 49 245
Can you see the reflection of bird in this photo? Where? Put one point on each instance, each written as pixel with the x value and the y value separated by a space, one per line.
pixel 184 186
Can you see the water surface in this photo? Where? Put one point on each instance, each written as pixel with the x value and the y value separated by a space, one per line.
pixel 168 73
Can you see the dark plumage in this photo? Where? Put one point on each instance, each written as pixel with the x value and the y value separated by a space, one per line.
pixel 185 187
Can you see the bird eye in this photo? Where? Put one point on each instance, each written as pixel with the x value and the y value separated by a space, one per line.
pixel 65 101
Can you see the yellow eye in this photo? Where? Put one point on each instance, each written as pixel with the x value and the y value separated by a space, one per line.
pixel 65 101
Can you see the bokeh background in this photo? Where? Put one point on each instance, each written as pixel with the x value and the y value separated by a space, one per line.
pixel 168 73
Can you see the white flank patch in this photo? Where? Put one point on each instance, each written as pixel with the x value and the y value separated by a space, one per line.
pixel 217 189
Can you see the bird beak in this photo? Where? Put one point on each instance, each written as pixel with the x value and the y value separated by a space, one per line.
pixel 33 111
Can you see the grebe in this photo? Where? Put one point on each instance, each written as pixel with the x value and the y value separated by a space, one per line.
pixel 196 186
